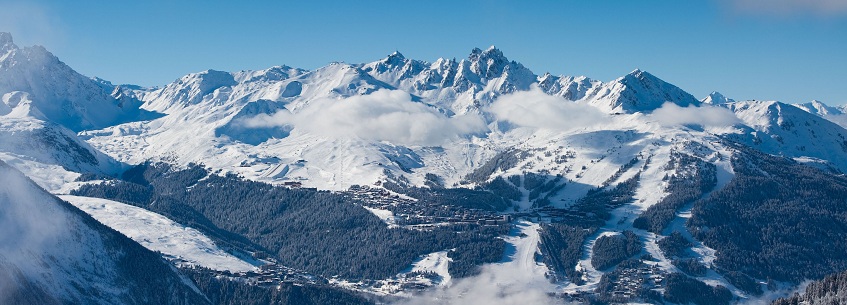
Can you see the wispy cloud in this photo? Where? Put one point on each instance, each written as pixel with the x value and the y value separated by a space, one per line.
pixel 384 115
pixel 31 227
pixel 789 8
pixel 29 23
pixel 708 116
pixel 535 108
pixel 494 286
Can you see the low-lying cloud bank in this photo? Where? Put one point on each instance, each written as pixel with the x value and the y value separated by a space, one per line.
pixel 671 114
pixel 534 108
pixel 496 285
pixel 392 116
pixel 385 115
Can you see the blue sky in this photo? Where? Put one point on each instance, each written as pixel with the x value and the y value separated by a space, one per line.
pixel 788 50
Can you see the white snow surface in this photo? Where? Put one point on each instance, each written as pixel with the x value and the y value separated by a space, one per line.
pixel 384 215
pixel 524 240
pixel 787 130
pixel 437 262
pixel 836 115
pixel 51 177
pixel 158 233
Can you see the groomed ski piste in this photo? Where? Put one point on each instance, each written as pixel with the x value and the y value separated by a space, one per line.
pixel 518 278
pixel 158 233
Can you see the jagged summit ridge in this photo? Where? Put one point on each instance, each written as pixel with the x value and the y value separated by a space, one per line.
pixel 491 63
pixel 456 86
pixel 62 95
pixel 473 73
pixel 486 74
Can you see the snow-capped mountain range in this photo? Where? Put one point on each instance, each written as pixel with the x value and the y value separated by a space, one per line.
pixel 467 122
pixel 235 120
pixel 207 116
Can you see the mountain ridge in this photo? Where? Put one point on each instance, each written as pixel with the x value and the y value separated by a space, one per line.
pixel 58 92
pixel 209 109
pixel 580 156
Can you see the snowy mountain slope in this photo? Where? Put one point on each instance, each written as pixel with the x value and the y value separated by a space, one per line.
pixel 51 177
pixel 319 161
pixel 230 91
pixel 44 102
pixel 47 143
pixel 819 108
pixel 56 92
pixel 653 188
pixel 31 142
pixel 158 233
pixel 52 253
pixel 206 109
pixel 786 130
pixel 833 114
pixel 603 158
pixel 716 98
pixel 638 91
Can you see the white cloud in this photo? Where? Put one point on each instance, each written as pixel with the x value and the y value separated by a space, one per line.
pixel 384 115
pixel 709 116
pixel 535 108
pixel 31 227
pixel 496 285
pixel 788 8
